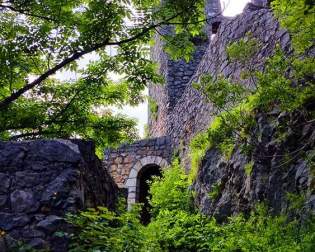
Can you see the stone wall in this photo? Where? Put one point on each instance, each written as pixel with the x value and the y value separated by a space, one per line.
pixel 177 75
pixel 120 161
pixel 192 113
pixel 41 181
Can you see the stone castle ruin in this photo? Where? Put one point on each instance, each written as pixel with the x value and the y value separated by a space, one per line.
pixel 42 180
pixel 182 112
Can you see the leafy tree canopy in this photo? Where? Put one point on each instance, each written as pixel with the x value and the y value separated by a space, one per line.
pixel 41 38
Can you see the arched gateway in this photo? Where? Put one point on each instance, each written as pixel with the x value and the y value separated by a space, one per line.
pixel 133 164
pixel 143 170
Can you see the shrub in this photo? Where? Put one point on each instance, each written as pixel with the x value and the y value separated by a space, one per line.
pixel 102 230
pixel 198 148
pixel 171 191
pixel 177 226
pixel 248 168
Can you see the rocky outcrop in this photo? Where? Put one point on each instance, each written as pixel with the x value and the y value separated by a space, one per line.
pixel 282 161
pixel 276 163
pixel 43 180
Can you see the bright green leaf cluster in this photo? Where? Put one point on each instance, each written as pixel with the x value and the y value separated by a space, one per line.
pixel 41 38
pixel 298 17
pixel 170 191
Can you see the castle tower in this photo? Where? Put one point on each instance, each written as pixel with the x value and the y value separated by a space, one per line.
pixel 177 74
pixel 213 12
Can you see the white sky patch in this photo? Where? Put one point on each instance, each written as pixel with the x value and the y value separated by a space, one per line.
pixel 139 113
pixel 233 7
pixel 67 75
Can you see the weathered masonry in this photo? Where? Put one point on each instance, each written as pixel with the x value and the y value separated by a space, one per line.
pixel 42 180
pixel 131 164
pixel 182 110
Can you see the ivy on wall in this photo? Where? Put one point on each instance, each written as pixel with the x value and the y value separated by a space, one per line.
pixel 153 108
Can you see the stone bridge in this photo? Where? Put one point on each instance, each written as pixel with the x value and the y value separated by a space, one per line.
pixel 131 165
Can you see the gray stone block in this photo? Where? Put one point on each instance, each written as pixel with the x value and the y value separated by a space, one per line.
pixel 23 201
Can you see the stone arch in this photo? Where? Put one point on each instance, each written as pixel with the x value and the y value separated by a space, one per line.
pixel 132 181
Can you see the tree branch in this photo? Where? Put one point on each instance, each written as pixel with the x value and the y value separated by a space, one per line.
pixel 31 134
pixel 4 103
pixel 7 101
pixel 26 13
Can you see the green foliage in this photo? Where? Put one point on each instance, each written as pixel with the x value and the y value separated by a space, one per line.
pixel 179 230
pixel 275 88
pixel 189 23
pixel 170 191
pixel 221 134
pixel 102 230
pixel 179 46
pixel 296 201
pixel 146 131
pixel 221 92
pixel 248 168
pixel 21 246
pixel 298 17
pixel 235 106
pixel 310 159
pixel 227 147
pixel 41 38
pixel 153 108
pixel 261 232
pixel 243 50
pixel 177 226
pixel 198 148
pixel 215 190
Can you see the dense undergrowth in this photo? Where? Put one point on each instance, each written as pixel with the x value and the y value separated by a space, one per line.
pixel 285 84
pixel 177 226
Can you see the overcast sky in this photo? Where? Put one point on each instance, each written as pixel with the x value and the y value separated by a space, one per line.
pixel 140 112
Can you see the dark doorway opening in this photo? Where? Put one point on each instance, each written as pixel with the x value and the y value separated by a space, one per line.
pixel 144 177
pixel 215 27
